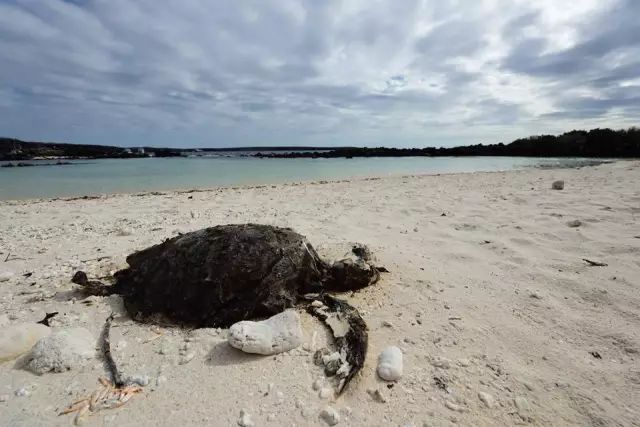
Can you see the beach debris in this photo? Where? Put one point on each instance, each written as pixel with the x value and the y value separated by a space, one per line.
pixel 350 334
pixel 245 419
pixel 594 263
pixel 47 317
pixel 107 396
pixel 17 339
pixel 5 276
pixel 390 364
pixel 105 347
pixel 91 287
pixel 61 351
pixel 595 354
pixel 557 185
pixel 111 393
pixel 330 416
pixel 279 333
pixel 574 223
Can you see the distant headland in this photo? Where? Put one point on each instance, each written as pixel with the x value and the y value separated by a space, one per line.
pixel 600 143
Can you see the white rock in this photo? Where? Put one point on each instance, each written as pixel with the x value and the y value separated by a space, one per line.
pixel 22 392
pixel 141 380
pixel 330 416
pixel 325 393
pixel 161 380
pixel 486 398
pixel 277 334
pixel 4 397
pixel 557 185
pixel 245 419
pixel 18 339
pixel 390 364
pixel 5 276
pixel 61 351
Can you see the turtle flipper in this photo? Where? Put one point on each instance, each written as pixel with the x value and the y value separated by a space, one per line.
pixel 349 331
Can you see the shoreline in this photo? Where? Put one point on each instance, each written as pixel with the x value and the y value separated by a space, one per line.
pixel 589 163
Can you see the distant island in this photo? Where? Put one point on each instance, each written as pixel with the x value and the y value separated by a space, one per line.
pixel 601 143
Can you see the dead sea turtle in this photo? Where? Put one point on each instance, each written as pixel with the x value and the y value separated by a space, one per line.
pixel 220 275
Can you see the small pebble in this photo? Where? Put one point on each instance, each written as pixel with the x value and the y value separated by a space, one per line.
pixel 558 185
pixel 464 362
pixel 22 392
pixel 325 393
pixel 575 223
pixel 4 397
pixel 330 416
pixel 141 380
pixel 487 399
pixel 317 385
pixel 453 406
pixel 245 419
pixel 535 295
pixel 161 380
pixel 187 358
pixel 5 276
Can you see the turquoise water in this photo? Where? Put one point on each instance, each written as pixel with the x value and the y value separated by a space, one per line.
pixel 90 177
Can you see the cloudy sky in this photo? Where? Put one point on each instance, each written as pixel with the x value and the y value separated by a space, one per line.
pixel 292 72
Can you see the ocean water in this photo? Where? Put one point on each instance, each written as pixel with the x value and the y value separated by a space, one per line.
pixel 92 177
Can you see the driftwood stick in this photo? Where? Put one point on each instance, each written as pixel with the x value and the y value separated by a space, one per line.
pixel 594 263
pixel 106 351
pixel 7 258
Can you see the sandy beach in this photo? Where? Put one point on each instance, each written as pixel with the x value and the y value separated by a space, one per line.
pixel 500 319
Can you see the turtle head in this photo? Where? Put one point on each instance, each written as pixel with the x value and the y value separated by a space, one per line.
pixel 352 272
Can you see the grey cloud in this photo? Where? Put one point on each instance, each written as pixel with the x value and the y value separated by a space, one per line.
pixel 293 70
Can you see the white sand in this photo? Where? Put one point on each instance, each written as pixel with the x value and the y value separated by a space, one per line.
pixel 492 298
